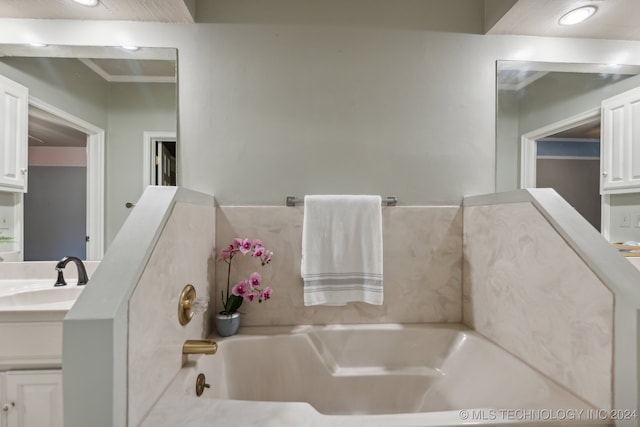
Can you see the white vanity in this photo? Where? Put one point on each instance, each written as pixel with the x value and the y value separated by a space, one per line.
pixel 31 315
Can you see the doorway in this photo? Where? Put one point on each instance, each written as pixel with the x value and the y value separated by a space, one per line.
pixel 160 158
pixel 55 206
pixel 565 156
pixel 165 167
pixel 571 166
pixel 63 211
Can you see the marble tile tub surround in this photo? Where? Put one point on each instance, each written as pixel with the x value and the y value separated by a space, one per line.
pixel 164 237
pixel 527 290
pixel 422 266
pixel 182 255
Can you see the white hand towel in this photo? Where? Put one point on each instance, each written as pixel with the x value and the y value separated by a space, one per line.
pixel 342 250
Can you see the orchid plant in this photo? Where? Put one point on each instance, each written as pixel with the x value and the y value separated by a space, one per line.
pixel 248 289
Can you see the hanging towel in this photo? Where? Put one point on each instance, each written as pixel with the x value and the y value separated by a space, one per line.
pixel 342 250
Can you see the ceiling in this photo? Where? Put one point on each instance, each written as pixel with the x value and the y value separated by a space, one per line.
pixel 47 130
pixel 177 11
pixel 615 19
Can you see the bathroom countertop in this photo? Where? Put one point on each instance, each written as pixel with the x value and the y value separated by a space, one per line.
pixel 11 286
pixel 40 270
pixel 36 300
pixel 27 293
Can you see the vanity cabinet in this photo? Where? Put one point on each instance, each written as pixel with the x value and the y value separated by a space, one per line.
pixel 31 398
pixel 14 115
pixel 620 143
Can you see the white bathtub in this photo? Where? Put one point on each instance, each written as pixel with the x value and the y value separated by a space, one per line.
pixel 366 375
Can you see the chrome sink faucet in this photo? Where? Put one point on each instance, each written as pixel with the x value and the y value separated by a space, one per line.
pixel 82 272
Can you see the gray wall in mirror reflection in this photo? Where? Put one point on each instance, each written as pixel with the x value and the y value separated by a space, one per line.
pixel 55 206
pixel 62 82
pixel 124 110
pixel 550 99
pixel 553 98
pixel 577 181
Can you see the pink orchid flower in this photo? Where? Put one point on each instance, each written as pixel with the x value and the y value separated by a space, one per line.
pixel 227 253
pixel 241 288
pixel 258 251
pixel 250 296
pixel 265 294
pixel 255 279
pixel 267 257
pixel 248 289
pixel 245 247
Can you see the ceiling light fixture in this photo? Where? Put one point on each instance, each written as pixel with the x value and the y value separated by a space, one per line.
pixel 129 47
pixel 89 3
pixel 578 15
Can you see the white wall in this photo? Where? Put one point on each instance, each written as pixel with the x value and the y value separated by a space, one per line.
pixel 507 141
pixel 62 82
pixel 562 95
pixel 625 205
pixel 133 109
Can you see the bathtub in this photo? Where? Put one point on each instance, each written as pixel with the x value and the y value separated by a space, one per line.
pixel 366 375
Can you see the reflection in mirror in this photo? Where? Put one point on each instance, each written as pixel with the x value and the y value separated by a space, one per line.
pixel 548 127
pixel 93 112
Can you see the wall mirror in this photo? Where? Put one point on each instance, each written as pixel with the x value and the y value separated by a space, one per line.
pixel 102 125
pixel 548 128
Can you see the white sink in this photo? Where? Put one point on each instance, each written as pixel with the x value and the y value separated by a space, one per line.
pixel 37 295
pixel 67 294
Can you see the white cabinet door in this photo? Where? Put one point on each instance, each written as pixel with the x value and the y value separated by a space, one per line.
pixel 14 117
pixel 620 143
pixel 37 396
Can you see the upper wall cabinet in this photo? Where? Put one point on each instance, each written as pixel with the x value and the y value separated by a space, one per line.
pixel 620 143
pixel 14 112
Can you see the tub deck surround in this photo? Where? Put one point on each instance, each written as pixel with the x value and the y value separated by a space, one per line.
pixel 155 342
pixel 422 266
pixel 358 375
pixel 126 322
pixel 546 290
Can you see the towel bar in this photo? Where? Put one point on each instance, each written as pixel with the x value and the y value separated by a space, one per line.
pixel 389 201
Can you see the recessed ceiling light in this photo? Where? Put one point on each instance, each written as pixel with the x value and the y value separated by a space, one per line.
pixel 578 15
pixel 38 44
pixel 129 47
pixel 90 3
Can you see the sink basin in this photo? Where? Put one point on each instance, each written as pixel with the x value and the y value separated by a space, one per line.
pixel 56 297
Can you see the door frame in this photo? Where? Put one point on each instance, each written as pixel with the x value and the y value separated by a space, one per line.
pixel 95 180
pixel 149 139
pixel 528 155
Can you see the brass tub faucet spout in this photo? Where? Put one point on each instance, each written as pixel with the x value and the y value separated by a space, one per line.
pixel 199 347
